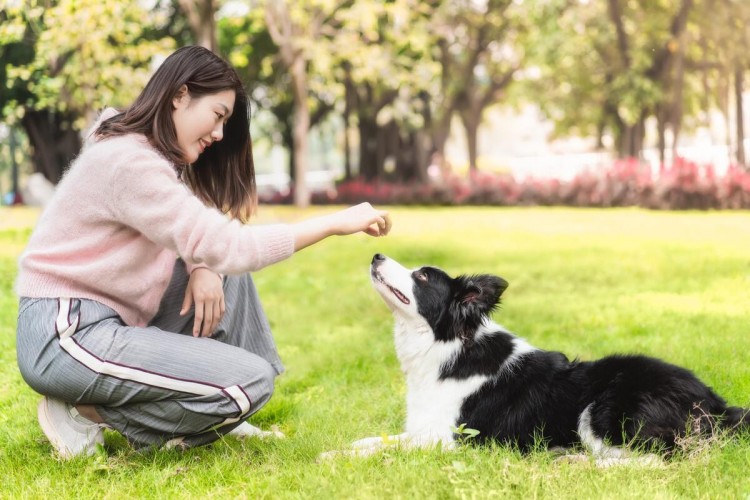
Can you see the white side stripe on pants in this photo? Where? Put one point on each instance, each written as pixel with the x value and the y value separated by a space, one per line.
pixel 67 323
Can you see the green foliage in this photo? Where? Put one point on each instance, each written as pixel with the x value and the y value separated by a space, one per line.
pixel 403 62
pixel 8 157
pixel 465 434
pixel 587 81
pixel 80 55
pixel 385 50
pixel 586 282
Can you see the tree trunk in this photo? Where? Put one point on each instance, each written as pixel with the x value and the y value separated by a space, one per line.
pixel 421 158
pixel 631 141
pixel 54 143
pixel 723 92
pixel 440 129
pixel 287 134
pixel 347 150
pixel 738 87
pixel 470 120
pixel 661 127
pixel 368 146
pixel 676 109
pixel 300 132
pixel 348 97
pixel 406 150
pixel 381 150
pixel 14 187
pixel 283 33
pixel 200 17
pixel 640 135
pixel 626 151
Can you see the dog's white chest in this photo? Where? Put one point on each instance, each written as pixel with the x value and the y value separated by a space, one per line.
pixel 433 406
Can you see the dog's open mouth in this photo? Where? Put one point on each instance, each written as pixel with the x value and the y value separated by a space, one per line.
pixel 395 291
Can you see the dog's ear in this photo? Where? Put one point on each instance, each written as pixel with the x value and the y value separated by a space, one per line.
pixel 481 291
pixel 475 298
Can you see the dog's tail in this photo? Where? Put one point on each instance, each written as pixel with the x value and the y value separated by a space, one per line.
pixel 736 419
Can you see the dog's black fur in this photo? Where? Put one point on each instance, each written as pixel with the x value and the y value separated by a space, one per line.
pixel 631 399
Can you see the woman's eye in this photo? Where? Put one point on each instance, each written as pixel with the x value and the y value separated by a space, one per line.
pixel 219 116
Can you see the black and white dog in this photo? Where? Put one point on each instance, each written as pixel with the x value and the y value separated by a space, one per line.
pixel 464 371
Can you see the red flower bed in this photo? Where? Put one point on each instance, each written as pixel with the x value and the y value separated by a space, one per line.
pixel 683 185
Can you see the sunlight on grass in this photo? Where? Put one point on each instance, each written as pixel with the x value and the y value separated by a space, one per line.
pixel 586 282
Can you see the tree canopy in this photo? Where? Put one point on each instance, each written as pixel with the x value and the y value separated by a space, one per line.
pixel 397 73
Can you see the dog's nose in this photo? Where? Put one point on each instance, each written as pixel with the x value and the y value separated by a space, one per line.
pixel 378 257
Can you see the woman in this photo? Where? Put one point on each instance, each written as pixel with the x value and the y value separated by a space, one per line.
pixel 136 309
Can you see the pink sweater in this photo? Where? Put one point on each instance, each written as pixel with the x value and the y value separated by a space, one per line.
pixel 118 220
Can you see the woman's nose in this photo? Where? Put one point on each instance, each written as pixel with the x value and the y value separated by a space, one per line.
pixel 218 133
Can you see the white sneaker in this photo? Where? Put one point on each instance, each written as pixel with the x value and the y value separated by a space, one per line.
pixel 245 430
pixel 69 433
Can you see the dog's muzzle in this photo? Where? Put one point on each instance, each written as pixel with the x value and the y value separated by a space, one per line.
pixel 377 260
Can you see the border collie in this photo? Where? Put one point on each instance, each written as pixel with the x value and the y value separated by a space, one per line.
pixel 464 372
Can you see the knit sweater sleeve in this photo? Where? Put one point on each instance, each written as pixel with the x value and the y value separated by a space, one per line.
pixel 148 196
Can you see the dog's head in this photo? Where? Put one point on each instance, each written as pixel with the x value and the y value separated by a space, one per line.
pixel 453 307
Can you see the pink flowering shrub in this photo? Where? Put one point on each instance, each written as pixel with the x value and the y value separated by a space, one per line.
pixel 683 185
pixel 734 188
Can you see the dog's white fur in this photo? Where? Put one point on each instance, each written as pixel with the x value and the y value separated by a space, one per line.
pixel 427 424
pixel 431 425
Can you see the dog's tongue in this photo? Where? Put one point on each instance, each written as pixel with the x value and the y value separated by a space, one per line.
pixel 400 296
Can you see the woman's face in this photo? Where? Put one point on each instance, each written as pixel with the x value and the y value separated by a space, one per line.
pixel 199 121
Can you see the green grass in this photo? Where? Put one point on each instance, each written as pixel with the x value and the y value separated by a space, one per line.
pixel 586 282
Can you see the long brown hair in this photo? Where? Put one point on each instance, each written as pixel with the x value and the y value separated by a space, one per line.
pixel 224 175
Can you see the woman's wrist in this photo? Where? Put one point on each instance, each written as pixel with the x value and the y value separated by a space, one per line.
pixel 360 218
pixel 311 231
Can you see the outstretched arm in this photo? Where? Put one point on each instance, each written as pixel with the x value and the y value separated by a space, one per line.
pixel 205 287
pixel 363 217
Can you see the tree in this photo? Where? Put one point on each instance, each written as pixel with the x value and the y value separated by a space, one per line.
pixel 668 71
pixel 68 60
pixel 245 40
pixel 296 30
pixel 479 52
pixel 200 16
pixel 383 57
pixel 611 66
pixel 722 61
pixel 286 34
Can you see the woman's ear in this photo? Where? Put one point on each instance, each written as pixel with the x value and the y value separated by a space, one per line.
pixel 181 98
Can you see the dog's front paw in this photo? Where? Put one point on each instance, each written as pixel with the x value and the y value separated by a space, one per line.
pixel 355 452
pixel 245 430
pixel 369 442
pixel 361 448
pixel 330 455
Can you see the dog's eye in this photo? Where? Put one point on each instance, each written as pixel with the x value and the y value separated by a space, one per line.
pixel 421 275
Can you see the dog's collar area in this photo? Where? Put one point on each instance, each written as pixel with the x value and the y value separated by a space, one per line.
pixel 395 291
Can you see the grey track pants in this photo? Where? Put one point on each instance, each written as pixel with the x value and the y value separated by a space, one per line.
pixel 157 383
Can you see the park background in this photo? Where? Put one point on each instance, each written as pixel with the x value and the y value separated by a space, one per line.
pixel 575 102
pixel 589 151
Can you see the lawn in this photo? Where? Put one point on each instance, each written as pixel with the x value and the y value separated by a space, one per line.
pixel 585 282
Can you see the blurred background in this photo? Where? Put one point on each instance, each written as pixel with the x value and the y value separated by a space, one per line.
pixel 499 102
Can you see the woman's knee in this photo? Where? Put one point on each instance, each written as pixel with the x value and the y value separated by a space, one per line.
pixel 257 378
pixel 268 376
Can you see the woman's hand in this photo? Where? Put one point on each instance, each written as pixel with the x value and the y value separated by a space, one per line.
pixel 363 217
pixel 205 288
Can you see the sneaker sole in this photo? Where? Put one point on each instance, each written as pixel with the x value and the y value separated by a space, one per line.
pixel 45 422
pixel 53 435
